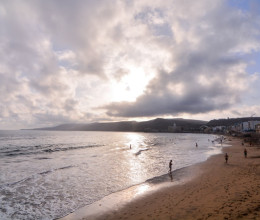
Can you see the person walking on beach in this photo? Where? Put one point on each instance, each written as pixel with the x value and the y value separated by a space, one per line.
pixel 245 153
pixel 196 144
pixel 226 157
pixel 170 166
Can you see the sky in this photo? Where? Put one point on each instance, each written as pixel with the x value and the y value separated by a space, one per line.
pixel 86 61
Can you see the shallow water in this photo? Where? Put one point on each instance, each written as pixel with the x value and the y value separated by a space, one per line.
pixel 48 174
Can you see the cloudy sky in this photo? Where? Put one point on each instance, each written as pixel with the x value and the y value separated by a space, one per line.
pixel 90 61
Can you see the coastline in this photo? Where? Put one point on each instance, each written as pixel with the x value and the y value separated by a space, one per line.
pixel 120 199
pixel 215 191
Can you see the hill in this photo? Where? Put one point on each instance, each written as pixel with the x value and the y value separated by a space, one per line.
pixel 156 125
pixel 230 121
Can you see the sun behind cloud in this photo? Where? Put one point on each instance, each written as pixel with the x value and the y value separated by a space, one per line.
pixel 131 85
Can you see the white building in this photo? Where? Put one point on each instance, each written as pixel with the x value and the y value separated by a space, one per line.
pixel 245 126
pixel 249 125
pixel 218 128
pixel 174 128
pixel 257 128
pixel 237 127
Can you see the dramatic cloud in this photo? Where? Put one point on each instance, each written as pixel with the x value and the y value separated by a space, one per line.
pixel 208 71
pixel 83 60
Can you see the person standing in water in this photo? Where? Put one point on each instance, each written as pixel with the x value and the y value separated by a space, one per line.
pixel 226 157
pixel 170 166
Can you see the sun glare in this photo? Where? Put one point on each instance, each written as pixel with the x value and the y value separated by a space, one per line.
pixel 131 85
pixel 135 140
pixel 142 189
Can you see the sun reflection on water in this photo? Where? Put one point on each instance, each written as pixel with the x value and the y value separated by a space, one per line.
pixel 136 157
pixel 135 140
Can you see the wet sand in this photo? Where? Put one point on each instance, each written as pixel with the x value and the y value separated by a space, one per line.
pixel 218 191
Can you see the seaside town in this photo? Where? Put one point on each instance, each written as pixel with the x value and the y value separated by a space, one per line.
pixel 248 130
pixel 243 127
pixel 237 129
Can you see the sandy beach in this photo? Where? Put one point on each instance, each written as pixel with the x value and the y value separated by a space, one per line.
pixel 218 191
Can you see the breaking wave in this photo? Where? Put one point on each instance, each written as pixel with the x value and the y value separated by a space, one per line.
pixel 40 149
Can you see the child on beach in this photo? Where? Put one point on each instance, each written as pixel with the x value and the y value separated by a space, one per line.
pixel 245 153
pixel 226 157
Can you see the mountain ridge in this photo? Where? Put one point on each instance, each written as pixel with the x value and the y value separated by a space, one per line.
pixel 155 125
pixel 158 124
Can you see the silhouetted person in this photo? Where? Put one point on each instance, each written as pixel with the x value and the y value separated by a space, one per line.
pixel 245 153
pixel 196 145
pixel 226 157
pixel 170 166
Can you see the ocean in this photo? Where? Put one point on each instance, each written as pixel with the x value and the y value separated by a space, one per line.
pixel 49 174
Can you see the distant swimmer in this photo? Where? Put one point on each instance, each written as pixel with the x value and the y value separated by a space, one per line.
pixel 226 157
pixel 170 166
pixel 245 153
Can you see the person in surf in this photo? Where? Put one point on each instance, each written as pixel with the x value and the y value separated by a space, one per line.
pixel 170 166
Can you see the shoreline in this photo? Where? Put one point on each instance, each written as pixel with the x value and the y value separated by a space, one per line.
pixel 132 194
pixel 216 191
pixel 121 199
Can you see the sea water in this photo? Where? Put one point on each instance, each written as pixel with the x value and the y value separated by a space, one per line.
pixel 48 174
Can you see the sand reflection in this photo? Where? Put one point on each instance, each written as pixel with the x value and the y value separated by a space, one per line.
pixel 142 189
